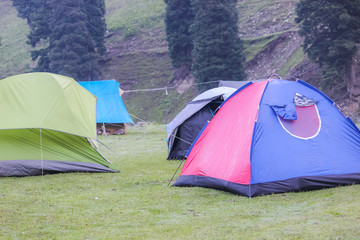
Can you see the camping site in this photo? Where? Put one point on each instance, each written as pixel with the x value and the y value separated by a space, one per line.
pixel 179 119
pixel 139 201
pixel 137 204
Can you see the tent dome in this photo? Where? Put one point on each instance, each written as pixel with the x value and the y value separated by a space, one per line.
pixel 183 129
pixel 46 120
pixel 274 136
pixel 47 101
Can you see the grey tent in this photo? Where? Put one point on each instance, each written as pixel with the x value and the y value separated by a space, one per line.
pixel 184 128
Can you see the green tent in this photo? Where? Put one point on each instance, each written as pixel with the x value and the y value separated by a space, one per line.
pixel 47 124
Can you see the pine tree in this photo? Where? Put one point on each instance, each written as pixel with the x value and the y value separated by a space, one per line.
pixel 72 50
pixel 36 13
pixel 95 11
pixel 218 50
pixel 179 17
pixel 72 35
pixel 332 35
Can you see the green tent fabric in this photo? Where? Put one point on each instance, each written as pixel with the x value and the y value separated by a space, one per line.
pixel 45 100
pixel 45 126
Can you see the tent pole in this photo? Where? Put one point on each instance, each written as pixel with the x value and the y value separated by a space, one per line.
pixel 41 155
pixel 175 172
pixel 104 130
pixel 249 191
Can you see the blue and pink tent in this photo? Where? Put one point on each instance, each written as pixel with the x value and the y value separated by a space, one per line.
pixel 271 137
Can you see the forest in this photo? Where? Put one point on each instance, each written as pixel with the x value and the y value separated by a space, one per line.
pixel 203 43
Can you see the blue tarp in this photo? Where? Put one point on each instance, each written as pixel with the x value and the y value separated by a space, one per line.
pixel 110 108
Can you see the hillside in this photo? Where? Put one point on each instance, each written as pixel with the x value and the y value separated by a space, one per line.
pixel 137 52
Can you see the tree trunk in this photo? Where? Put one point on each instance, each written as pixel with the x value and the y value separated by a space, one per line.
pixel 353 83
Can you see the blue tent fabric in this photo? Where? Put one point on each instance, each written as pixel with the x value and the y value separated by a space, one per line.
pixel 254 145
pixel 110 107
pixel 335 150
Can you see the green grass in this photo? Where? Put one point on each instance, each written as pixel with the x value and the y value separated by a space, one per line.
pixel 137 204
pixel 134 16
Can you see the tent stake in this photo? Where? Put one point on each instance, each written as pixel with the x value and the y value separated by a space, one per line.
pixel 175 172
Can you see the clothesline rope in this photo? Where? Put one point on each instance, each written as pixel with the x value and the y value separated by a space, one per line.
pixel 196 84
pixel 166 88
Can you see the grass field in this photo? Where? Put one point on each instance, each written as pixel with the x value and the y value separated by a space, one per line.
pixel 137 204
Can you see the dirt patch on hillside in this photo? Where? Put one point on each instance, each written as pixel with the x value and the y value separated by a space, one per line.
pixel 256 19
pixel 274 56
pixel 182 79
pixel 154 40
